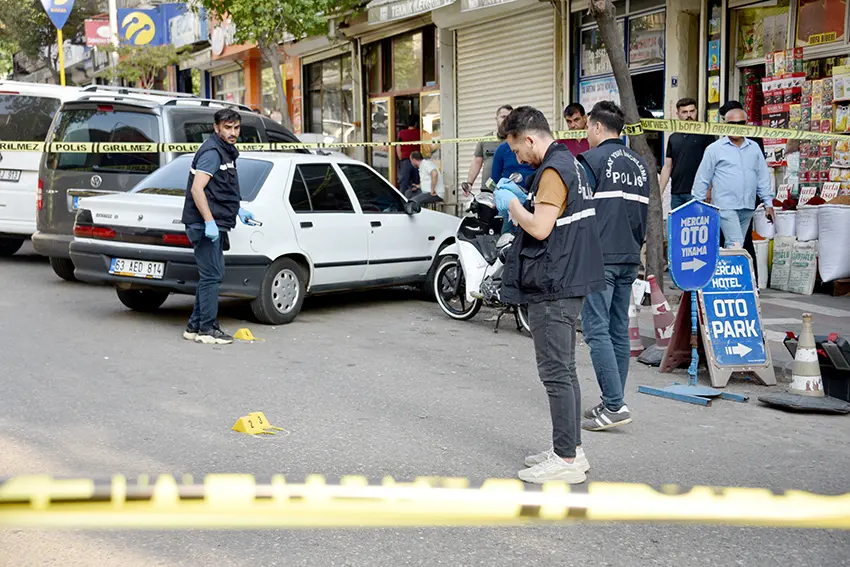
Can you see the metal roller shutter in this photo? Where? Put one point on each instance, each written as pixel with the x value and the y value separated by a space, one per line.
pixel 493 69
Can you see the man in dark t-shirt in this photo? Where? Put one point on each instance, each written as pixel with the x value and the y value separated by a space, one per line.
pixel 684 154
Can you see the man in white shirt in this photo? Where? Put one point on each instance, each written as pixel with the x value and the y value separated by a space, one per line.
pixel 431 188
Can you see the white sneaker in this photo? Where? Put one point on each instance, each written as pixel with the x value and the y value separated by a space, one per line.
pixel 581 458
pixel 553 469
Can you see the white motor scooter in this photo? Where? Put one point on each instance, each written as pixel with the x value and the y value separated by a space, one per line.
pixel 470 272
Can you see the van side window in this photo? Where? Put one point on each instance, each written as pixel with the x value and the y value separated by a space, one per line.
pixel 196 127
pixel 26 118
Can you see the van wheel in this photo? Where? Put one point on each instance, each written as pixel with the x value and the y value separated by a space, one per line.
pixel 9 246
pixel 64 268
pixel 142 300
pixel 281 293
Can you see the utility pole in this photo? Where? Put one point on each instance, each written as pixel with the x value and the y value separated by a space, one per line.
pixel 113 26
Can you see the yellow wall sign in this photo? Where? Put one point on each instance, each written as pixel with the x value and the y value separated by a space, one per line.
pixel 138 28
pixel 821 38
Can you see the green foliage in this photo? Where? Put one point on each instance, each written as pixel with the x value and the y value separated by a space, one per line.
pixel 143 65
pixel 25 25
pixel 266 21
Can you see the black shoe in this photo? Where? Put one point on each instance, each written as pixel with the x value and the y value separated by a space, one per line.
pixel 191 333
pixel 214 336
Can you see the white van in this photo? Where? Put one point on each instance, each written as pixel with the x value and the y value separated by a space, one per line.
pixel 26 111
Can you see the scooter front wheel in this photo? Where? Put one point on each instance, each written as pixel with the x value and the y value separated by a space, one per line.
pixel 450 290
pixel 522 313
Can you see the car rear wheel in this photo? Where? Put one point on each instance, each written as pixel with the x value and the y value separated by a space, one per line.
pixel 142 300
pixel 281 293
pixel 64 268
pixel 9 246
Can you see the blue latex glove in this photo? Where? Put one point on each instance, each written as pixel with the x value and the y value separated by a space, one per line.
pixel 503 197
pixel 211 230
pixel 505 183
pixel 245 215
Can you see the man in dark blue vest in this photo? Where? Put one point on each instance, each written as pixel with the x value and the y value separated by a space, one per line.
pixel 621 199
pixel 554 263
pixel 210 210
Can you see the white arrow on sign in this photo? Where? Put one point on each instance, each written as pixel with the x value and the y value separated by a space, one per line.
pixel 693 265
pixel 739 349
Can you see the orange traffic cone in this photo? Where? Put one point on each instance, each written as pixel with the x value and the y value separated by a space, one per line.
pixel 806 391
pixel 663 320
pixel 635 344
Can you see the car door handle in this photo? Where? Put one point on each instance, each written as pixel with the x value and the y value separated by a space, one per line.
pixel 376 223
pixel 306 224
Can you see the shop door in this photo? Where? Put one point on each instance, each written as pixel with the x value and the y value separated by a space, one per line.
pixel 494 69
pixel 380 119
pixel 405 108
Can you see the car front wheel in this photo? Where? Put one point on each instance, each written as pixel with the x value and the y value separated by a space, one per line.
pixel 281 293
pixel 142 300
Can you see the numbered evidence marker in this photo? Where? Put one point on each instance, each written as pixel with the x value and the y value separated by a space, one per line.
pixel 255 423
pixel 731 322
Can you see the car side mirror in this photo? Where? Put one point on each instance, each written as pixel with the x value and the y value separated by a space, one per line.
pixel 412 207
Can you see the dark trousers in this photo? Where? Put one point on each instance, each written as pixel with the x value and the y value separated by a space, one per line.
pixel 407 175
pixel 553 327
pixel 209 257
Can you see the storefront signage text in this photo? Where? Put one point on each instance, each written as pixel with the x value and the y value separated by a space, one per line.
pixel 404 9
pixel 467 5
pixel 820 38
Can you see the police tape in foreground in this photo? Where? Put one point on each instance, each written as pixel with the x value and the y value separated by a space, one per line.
pixel 652 125
pixel 239 501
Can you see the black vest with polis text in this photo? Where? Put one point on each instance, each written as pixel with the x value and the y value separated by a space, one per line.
pixel 568 263
pixel 222 191
pixel 621 200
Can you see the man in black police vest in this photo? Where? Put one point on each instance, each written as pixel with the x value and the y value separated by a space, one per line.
pixel 554 263
pixel 621 199
pixel 210 210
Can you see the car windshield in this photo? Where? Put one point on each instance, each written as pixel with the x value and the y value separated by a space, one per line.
pixel 174 177
pixel 105 124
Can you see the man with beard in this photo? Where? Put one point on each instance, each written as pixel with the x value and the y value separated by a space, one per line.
pixel 684 154
pixel 554 263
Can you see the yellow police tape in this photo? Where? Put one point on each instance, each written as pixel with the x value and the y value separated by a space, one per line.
pixel 239 501
pixel 652 125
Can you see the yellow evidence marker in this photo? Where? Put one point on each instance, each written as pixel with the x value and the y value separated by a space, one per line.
pixel 255 423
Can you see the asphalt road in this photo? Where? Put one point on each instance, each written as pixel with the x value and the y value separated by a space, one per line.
pixel 375 384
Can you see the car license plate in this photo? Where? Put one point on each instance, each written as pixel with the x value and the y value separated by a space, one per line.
pixel 13 175
pixel 137 268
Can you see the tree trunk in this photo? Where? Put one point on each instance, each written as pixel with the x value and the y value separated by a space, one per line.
pixel 603 13
pixel 271 53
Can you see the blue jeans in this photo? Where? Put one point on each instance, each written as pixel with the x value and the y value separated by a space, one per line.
pixel 209 257
pixel 679 199
pixel 605 327
pixel 734 223
pixel 553 328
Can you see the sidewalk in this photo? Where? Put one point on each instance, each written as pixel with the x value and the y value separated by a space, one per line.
pixel 780 312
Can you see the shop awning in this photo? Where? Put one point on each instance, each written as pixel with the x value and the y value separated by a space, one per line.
pixel 382 11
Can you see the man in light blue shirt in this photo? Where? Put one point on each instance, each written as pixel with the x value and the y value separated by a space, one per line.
pixel 736 170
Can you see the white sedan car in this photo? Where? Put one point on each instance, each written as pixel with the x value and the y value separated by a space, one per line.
pixel 329 224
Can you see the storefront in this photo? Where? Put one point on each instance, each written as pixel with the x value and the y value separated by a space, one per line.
pixel 400 77
pixel 788 63
pixel 328 96
pixel 642 24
